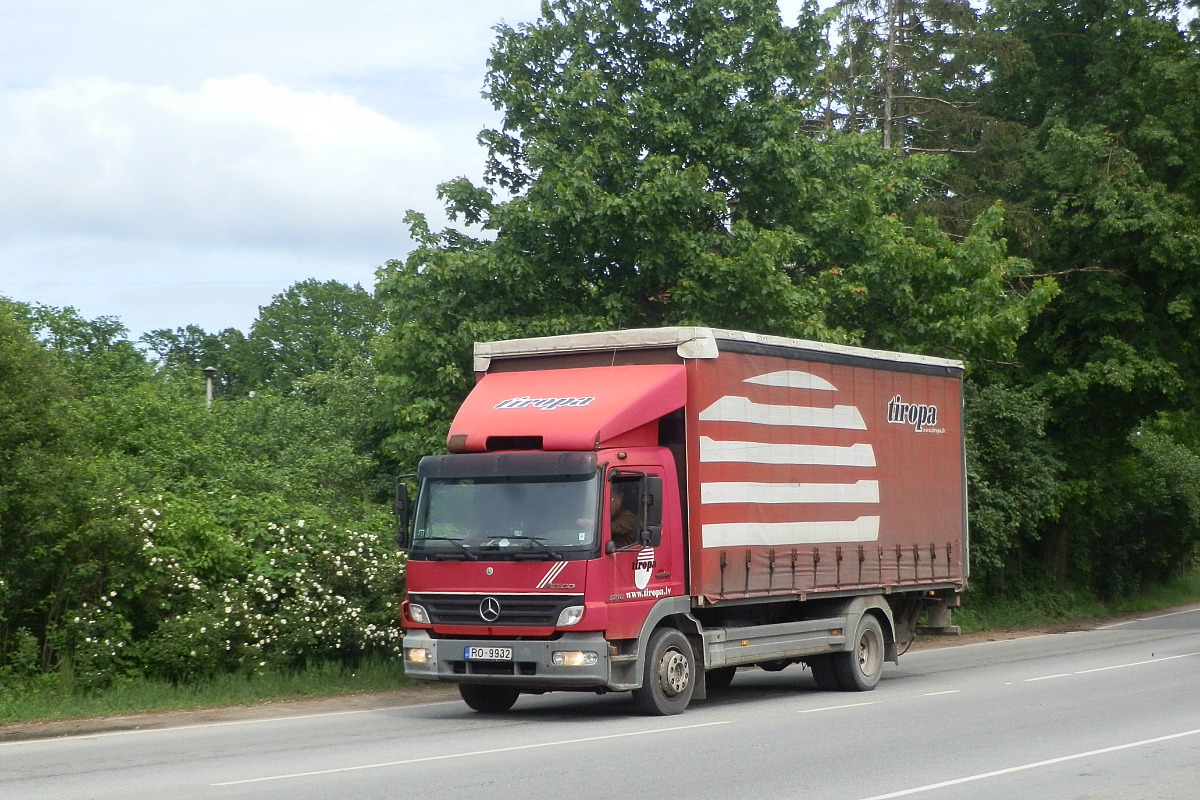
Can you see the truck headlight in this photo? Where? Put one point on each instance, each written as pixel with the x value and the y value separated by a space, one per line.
pixel 418 613
pixel 570 616
pixel 418 655
pixel 573 658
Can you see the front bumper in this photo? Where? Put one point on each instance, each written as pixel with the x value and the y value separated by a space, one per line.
pixel 532 666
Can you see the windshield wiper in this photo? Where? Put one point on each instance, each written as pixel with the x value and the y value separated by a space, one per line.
pixel 540 541
pixel 466 551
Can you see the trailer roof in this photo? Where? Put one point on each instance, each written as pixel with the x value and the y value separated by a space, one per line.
pixel 689 342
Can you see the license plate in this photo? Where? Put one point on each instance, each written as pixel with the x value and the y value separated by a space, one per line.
pixel 487 653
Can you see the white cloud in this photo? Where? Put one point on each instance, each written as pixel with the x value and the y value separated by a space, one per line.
pixel 238 159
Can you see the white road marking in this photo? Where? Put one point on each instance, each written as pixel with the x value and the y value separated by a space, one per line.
pixel 838 708
pixel 1148 619
pixel 1136 663
pixel 469 754
pixel 1113 666
pixel 1035 765
pixel 939 694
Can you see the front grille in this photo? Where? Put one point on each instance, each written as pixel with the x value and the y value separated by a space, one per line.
pixel 521 610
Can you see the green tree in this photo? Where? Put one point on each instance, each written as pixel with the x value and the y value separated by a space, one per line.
pixel 310 328
pixel 1107 187
pixel 314 327
pixel 1014 479
pixel 914 73
pixel 657 166
pixel 34 446
pixel 94 353
pixel 186 352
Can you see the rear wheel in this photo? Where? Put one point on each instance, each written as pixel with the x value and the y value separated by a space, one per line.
pixel 669 674
pixel 859 669
pixel 488 699
pixel 823 673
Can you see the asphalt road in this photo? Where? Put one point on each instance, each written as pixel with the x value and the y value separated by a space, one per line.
pixel 1096 714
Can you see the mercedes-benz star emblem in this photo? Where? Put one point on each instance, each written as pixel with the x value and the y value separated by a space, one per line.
pixel 489 609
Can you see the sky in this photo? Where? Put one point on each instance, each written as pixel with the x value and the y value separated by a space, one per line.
pixel 181 162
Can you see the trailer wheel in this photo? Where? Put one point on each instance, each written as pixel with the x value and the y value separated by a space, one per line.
pixel 824 674
pixel 488 699
pixel 717 679
pixel 859 669
pixel 669 674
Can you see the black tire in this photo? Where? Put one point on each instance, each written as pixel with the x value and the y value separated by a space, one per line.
pixel 488 699
pixel 669 674
pixel 859 669
pixel 824 674
pixel 718 679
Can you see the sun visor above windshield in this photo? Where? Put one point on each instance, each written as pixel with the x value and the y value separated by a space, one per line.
pixel 568 409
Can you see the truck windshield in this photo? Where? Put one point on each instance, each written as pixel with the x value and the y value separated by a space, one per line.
pixel 506 518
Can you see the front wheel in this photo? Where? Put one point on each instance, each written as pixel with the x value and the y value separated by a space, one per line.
pixel 669 675
pixel 488 699
pixel 859 669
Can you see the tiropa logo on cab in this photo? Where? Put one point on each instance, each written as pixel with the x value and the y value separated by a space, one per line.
pixel 544 403
pixel 643 568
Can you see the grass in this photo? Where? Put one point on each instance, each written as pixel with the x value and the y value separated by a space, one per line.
pixel 43 699
pixel 1034 609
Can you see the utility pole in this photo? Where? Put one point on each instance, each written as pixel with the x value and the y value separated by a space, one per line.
pixel 209 374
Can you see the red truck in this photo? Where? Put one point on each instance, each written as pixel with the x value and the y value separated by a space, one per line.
pixel 648 510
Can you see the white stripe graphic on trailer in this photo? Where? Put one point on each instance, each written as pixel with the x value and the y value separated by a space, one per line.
pixel 552 574
pixel 793 379
pixel 742 409
pixel 856 455
pixel 729 492
pixel 776 534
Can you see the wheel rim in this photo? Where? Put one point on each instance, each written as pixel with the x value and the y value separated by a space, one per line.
pixel 868 653
pixel 674 673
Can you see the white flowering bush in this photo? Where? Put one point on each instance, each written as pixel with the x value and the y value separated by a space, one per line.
pixel 99 635
pixel 202 597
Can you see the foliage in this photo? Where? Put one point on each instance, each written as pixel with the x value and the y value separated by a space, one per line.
pixel 187 351
pixel 1104 178
pixel 198 600
pixel 1036 603
pixel 151 535
pixel 660 168
pixel 1013 475
pixel 312 327
pixel 1142 525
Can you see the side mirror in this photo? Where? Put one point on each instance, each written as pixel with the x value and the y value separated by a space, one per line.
pixel 651 511
pixel 402 509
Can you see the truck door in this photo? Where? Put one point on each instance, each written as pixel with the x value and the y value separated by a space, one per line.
pixel 641 572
